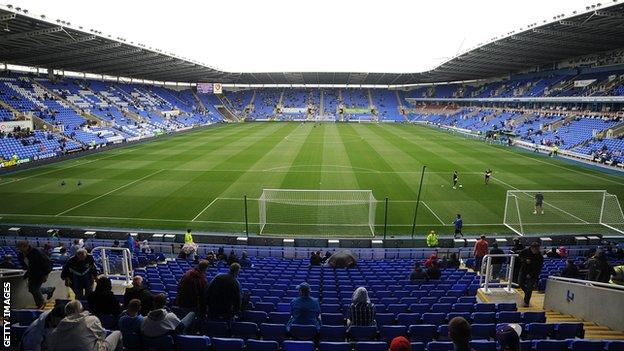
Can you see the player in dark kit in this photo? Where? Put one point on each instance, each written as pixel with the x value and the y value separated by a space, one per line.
pixel 488 174
pixel 539 201
pixel 455 179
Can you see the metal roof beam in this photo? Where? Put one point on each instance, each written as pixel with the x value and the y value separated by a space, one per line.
pixel 89 50
pixel 31 48
pixel 605 13
pixel 541 49
pixel 29 34
pixel 126 67
pixel 118 61
pixel 172 66
pixel 480 64
pixel 100 58
pixel 502 51
pixel 590 25
pixel 550 42
pixel 589 37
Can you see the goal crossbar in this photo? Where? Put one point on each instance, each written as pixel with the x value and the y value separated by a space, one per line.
pixel 322 209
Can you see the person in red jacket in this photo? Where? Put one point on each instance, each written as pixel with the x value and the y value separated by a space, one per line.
pixel 191 289
pixel 480 250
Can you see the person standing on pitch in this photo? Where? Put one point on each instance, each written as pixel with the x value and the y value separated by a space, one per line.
pixel 488 175
pixel 455 179
pixel 539 201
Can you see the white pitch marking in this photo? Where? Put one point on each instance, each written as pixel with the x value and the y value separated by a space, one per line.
pixel 108 193
pixel 435 214
pixel 205 208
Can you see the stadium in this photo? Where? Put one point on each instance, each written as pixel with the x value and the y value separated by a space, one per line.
pixel 150 201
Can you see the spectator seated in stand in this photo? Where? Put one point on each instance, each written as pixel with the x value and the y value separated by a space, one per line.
pixel 361 311
pixel 161 322
pixel 304 310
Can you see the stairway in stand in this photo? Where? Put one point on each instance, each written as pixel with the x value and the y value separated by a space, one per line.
pixel 592 330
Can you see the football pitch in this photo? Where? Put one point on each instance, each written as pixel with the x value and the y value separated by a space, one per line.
pixel 198 179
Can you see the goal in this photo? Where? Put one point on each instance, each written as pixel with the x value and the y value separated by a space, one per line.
pixel 563 211
pixel 300 211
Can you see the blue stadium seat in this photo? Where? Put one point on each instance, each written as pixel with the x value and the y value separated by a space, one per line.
pixel 463 307
pixel 389 332
pixel 265 306
pixel 506 306
pixel 334 346
pixel 371 346
pixel 485 307
pixel 332 319
pixel 216 329
pixel 275 332
pixel 587 345
pixel 296 345
pixel 193 342
pixel 433 318
pixel 441 307
pixel 329 308
pixel 533 317
pixel 483 331
pixel 615 346
pixel 408 319
pixel 257 317
pixel 538 331
pixel 279 317
pixel 509 317
pixel 244 330
pixel 259 345
pixel 333 333
pixel 417 346
pixel 483 345
pixel 443 332
pixel 440 346
pixel 228 344
pixel 422 332
pixel 303 332
pixel 483 317
pixel 551 345
pixel 568 331
pixel 419 308
pixel 162 343
pixel 24 317
pixel 384 318
pixel 357 333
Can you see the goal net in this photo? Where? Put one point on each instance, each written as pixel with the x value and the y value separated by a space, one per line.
pixel 563 211
pixel 298 211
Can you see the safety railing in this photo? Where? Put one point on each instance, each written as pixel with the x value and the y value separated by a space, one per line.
pixel 485 278
pixel 126 262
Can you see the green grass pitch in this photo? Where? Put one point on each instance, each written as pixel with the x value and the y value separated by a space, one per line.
pixel 197 180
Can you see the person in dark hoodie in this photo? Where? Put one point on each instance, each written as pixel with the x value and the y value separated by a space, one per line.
pixel 102 301
pixel 161 322
pixel 139 292
pixel 38 266
pixel 418 273
pixel 531 262
pixel 79 273
pixel 191 289
pixel 223 295
pixel 598 268
pixel 570 270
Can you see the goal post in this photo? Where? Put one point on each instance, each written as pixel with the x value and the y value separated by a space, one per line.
pixel 325 212
pixel 563 211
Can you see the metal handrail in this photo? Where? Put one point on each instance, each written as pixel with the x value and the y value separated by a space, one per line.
pixel 126 262
pixel 484 279
pixel 587 282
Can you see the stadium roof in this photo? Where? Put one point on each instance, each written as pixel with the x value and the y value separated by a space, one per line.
pixel 36 41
